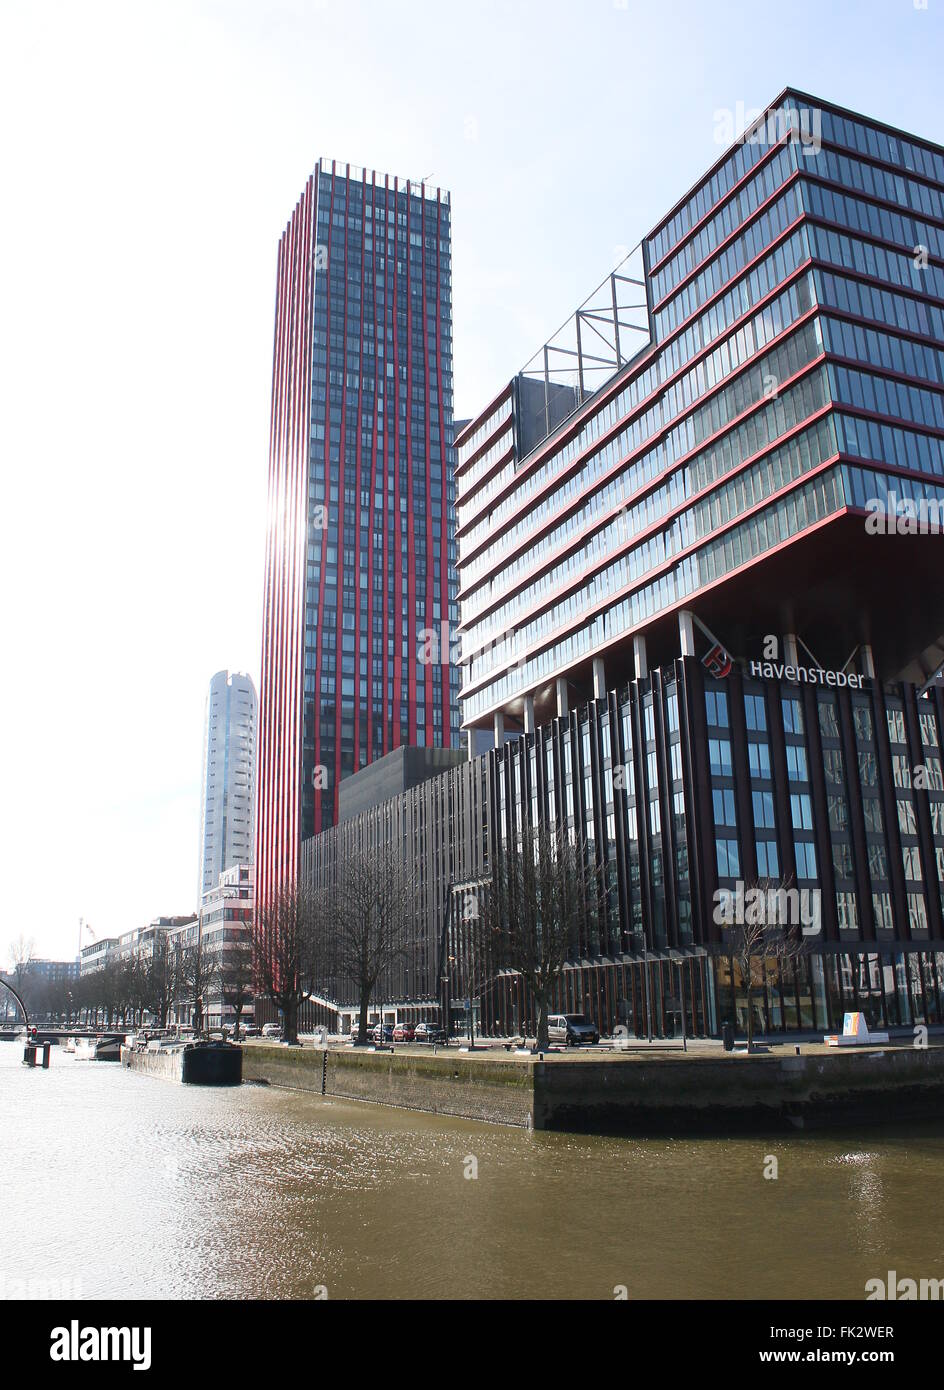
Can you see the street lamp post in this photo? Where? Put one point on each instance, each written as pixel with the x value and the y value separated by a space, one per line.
pixel 679 960
pixel 645 966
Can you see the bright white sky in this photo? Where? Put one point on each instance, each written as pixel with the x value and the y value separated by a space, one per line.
pixel 151 153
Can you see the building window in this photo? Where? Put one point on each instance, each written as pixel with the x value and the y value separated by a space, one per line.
pixel 896 726
pixel 719 755
pixel 755 713
pixel 759 758
pixel 911 857
pixel 828 720
pixel 917 912
pixel 847 911
pixel 768 860
pixel 796 763
pixel 716 704
pixel 729 859
pixel 862 718
pixel 842 859
pixel 882 910
pixel 792 715
pixel 805 858
pixel 901 770
pixel 928 730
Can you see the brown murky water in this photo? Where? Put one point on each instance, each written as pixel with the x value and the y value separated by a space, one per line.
pixel 138 1188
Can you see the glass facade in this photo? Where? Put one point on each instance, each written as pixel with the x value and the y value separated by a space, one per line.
pixel 684 786
pixel 360 575
pixel 795 309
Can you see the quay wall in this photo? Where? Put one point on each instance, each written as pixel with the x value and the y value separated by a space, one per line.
pixel 169 1066
pixel 734 1093
pixel 443 1083
pixel 194 1066
pixel 670 1093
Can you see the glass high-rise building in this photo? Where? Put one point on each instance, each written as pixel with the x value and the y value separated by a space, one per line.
pixel 360 590
pixel 228 791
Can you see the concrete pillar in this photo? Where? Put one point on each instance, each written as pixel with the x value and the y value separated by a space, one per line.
pixel 471 735
pixel 868 661
pixel 599 678
pixel 529 714
pixel 791 655
pixel 686 633
pixel 639 655
pixel 562 704
pixel 499 728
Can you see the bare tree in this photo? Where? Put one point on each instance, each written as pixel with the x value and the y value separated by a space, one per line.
pixel 194 970
pixel 544 886
pixel 370 915
pixel 233 976
pixel 287 941
pixel 21 953
pixel 159 980
pixel 766 927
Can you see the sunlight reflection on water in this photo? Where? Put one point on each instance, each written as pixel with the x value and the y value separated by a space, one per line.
pixel 146 1189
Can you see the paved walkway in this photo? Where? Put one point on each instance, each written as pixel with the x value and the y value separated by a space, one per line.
pixel 496 1049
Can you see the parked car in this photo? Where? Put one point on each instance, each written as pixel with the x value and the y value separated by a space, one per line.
pixel 571 1029
pixel 382 1034
pixel 429 1033
pixel 403 1032
pixel 271 1030
pixel 249 1030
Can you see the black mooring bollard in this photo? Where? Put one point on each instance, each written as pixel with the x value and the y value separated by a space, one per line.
pixel 47 1047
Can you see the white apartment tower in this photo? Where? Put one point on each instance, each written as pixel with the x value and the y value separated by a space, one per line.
pixel 228 793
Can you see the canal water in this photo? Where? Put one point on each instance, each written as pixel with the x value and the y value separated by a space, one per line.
pixel 114 1184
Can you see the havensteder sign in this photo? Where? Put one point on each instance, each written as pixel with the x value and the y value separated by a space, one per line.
pixel 806 675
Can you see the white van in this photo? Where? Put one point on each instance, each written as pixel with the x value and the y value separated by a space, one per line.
pixel 570 1030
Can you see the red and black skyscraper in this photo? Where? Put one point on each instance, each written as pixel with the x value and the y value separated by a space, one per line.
pixel 360 587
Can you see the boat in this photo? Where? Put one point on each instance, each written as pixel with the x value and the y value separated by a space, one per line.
pixel 104 1048
pixel 197 1062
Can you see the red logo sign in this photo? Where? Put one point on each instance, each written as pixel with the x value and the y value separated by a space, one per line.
pixel 718 661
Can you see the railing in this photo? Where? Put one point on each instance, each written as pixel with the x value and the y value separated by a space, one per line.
pixel 606 332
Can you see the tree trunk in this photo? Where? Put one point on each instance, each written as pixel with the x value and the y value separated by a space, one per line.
pixel 362 1020
pixel 290 1021
pixel 541 1041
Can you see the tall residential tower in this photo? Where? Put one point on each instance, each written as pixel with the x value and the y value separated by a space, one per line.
pixel 360 589
pixel 228 792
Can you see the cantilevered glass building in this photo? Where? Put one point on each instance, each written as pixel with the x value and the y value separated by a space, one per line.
pixel 701 586
pixel 360 581
pixel 704 434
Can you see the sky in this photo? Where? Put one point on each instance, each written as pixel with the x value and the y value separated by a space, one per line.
pixel 151 155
